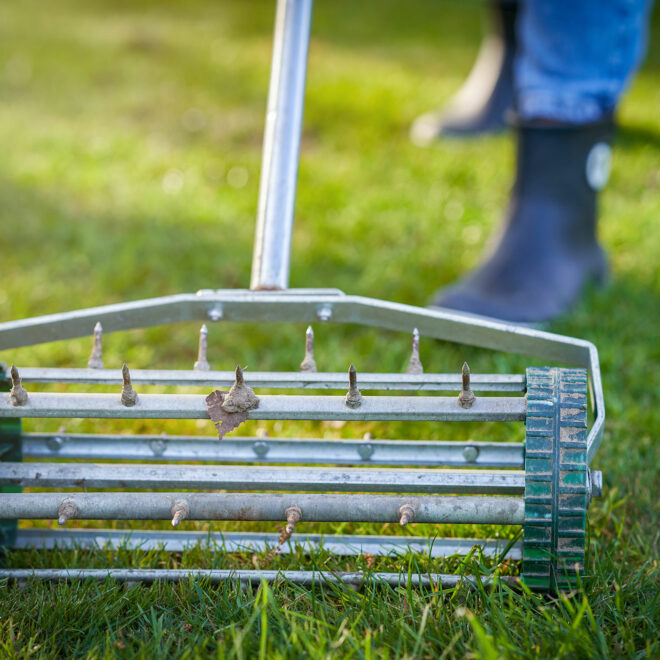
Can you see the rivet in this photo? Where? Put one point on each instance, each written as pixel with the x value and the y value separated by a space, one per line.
pixel 215 313
pixel 324 313
pixel 470 453
pixel 55 443
pixel 158 446
pixel 365 450
pixel 260 448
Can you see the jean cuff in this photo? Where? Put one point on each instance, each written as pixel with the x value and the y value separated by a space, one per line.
pixel 571 109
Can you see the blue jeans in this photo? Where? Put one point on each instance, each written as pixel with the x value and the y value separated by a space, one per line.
pixel 576 57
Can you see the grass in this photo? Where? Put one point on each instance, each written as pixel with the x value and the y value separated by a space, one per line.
pixel 131 138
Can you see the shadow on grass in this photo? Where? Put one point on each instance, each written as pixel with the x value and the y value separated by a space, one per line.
pixel 636 135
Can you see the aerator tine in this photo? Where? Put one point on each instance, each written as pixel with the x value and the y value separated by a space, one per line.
pixel 96 357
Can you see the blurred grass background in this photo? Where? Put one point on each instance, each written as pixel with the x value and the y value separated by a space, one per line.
pixel 131 141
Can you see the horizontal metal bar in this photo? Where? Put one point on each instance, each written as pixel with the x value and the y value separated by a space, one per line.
pixel 291 307
pixel 322 408
pixel 216 477
pixel 349 545
pixel 309 307
pixel 215 576
pixel 262 506
pixel 277 379
pixel 272 450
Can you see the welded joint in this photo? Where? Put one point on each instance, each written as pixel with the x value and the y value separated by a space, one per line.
pixel 406 514
pixel 180 511
pixel 66 511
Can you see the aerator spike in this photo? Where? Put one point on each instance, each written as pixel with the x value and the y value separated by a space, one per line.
pixel 180 511
pixel 353 397
pixel 415 364
pixel 240 397
pixel 308 363
pixel 466 397
pixel 95 358
pixel 18 396
pixel 128 394
pixel 406 515
pixel 202 364
pixel 66 511
pixel 293 516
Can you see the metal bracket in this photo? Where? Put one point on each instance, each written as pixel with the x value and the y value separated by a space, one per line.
pixel 295 306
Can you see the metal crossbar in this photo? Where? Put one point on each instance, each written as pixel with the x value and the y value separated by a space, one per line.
pixel 179 541
pixel 368 451
pixel 377 480
pixel 277 380
pixel 273 407
pixel 262 506
pixel 215 576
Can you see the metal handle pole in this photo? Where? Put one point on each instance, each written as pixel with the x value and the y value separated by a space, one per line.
pixel 279 167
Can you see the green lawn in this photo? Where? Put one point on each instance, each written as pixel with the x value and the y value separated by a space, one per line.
pixel 131 136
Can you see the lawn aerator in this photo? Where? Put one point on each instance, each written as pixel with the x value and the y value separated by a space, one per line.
pixel 544 484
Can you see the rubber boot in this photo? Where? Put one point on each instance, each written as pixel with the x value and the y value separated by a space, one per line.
pixel 547 251
pixel 486 98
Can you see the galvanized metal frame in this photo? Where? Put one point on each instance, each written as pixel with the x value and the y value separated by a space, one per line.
pixel 305 306
pixel 269 300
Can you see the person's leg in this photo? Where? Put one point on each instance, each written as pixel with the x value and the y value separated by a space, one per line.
pixel 575 61
pixel 481 105
pixel 576 58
